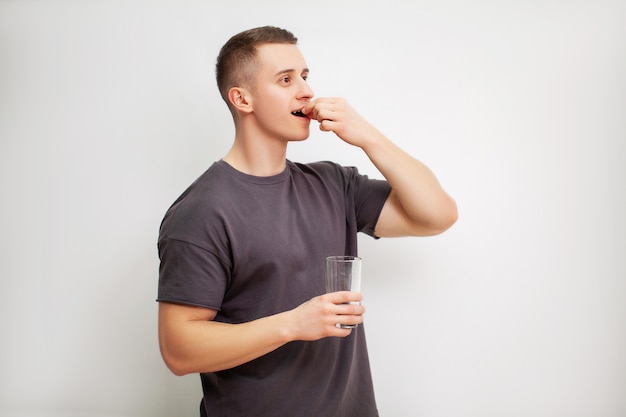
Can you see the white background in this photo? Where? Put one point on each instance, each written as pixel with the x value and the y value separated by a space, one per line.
pixel 108 110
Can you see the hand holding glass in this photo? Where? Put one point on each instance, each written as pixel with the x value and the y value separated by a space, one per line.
pixel 343 273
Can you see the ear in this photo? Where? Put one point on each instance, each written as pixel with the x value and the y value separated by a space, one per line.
pixel 241 99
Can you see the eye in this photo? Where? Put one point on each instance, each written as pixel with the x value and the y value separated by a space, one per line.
pixel 285 80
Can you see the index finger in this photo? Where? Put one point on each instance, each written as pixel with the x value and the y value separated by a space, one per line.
pixel 310 106
pixel 308 109
pixel 341 297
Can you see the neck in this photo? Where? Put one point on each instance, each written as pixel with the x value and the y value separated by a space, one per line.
pixel 255 155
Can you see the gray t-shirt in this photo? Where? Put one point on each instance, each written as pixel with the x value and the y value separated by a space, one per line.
pixel 251 247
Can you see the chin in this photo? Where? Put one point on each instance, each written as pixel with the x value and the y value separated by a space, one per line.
pixel 300 138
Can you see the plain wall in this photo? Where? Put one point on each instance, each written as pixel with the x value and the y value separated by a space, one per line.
pixel 108 110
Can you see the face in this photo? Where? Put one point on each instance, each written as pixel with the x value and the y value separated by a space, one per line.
pixel 280 91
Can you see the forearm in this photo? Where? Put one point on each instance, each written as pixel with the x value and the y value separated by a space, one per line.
pixel 417 204
pixel 197 346
pixel 191 342
pixel 420 195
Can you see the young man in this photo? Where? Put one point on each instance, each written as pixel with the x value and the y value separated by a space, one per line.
pixel 241 286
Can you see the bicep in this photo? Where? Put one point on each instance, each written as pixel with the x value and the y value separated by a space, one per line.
pixel 177 328
pixel 175 320
pixel 394 222
pixel 173 315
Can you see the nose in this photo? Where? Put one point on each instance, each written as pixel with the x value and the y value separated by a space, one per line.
pixel 305 90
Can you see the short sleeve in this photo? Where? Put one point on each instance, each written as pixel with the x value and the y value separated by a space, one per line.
pixel 189 274
pixel 368 197
pixel 369 202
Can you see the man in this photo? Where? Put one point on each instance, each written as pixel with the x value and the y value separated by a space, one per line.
pixel 241 287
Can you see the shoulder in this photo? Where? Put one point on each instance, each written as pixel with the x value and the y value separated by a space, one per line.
pixel 325 170
pixel 197 205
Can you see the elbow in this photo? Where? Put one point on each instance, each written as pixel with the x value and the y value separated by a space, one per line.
pixel 180 364
pixel 446 217
pixel 451 215
pixel 174 361
pixel 177 370
pixel 175 365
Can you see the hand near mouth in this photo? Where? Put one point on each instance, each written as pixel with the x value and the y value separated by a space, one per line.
pixel 337 116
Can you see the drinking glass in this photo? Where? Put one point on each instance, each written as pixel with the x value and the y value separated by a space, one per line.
pixel 343 273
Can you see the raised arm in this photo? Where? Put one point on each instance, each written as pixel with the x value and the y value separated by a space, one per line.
pixel 191 342
pixel 417 205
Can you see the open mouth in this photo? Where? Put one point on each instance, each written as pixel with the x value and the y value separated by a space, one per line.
pixel 298 113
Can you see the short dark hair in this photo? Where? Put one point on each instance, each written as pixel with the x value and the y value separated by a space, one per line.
pixel 236 62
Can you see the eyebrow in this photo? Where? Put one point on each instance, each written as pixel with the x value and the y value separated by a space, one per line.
pixel 290 70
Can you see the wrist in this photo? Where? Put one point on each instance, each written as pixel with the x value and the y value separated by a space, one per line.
pixel 374 142
pixel 284 330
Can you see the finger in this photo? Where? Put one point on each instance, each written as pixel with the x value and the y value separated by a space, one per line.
pixel 328 125
pixel 313 114
pixel 348 321
pixel 319 109
pixel 310 107
pixel 320 101
pixel 309 112
pixel 340 332
pixel 353 308
pixel 325 113
pixel 342 297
